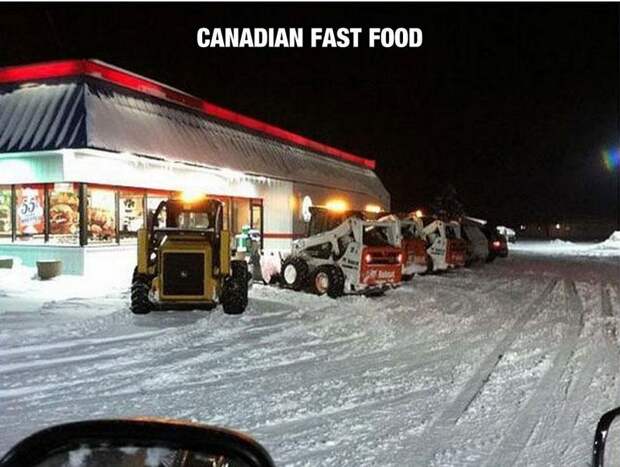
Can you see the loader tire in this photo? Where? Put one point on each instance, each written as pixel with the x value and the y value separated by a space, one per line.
pixel 140 302
pixel 327 279
pixel 235 289
pixel 430 267
pixel 295 273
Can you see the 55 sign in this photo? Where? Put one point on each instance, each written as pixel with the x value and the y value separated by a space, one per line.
pixel 29 211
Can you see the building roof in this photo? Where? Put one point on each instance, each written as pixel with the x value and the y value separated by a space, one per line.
pixel 126 79
pixel 83 111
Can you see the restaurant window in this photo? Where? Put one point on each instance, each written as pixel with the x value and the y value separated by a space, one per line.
pixel 240 214
pixel 5 214
pixel 257 216
pixel 256 219
pixel 101 215
pixel 131 213
pixel 30 213
pixel 64 213
pixel 152 202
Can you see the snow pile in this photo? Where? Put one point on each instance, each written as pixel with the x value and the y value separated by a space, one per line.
pixel 609 248
pixel 613 242
pixel 558 241
pixel 22 291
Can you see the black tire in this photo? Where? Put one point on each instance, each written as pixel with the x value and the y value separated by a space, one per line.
pixel 327 279
pixel 430 267
pixel 257 274
pixel 235 289
pixel 491 258
pixel 294 273
pixel 140 302
pixel 407 277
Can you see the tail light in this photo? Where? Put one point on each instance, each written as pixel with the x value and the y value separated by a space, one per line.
pixel 496 244
pixel 368 257
pixel 400 258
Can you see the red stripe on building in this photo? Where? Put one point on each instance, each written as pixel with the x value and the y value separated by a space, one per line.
pixel 68 68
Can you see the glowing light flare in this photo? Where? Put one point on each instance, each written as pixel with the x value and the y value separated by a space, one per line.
pixel 373 208
pixel 419 213
pixel 191 195
pixel 611 159
pixel 338 205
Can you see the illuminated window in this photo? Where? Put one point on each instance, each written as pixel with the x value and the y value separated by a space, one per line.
pixel 29 213
pixel 131 213
pixel 240 214
pixel 101 215
pixel 257 215
pixel 152 203
pixel 5 214
pixel 64 214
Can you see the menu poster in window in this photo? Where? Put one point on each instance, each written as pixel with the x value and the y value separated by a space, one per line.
pixel 30 202
pixel 64 210
pixel 101 216
pixel 131 211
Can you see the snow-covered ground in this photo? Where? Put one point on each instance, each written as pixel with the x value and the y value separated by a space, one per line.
pixel 507 364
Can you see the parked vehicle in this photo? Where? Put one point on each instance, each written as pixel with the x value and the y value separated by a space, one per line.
pixel 477 250
pixel 186 264
pixel 446 249
pixel 416 259
pixel 498 246
pixel 350 256
pixel 510 234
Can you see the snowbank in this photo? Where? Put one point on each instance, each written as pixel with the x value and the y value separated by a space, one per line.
pixel 613 242
pixel 608 248
pixel 22 291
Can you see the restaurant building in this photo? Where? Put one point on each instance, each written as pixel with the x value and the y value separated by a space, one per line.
pixel 88 149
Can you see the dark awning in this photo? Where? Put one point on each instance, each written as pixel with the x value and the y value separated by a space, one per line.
pixel 85 112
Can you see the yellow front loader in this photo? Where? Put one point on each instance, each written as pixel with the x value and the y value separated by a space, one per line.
pixel 186 263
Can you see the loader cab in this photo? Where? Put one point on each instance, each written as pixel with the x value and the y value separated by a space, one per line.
pixel 324 220
pixel 202 214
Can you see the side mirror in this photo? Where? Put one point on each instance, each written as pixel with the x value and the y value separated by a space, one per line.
pixel 136 443
pixel 606 448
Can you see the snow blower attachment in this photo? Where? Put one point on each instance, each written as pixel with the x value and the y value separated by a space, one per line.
pixel 187 264
pixel 344 253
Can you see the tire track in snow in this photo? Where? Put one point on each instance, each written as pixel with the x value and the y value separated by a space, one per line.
pixel 604 354
pixel 438 430
pixel 536 411
pixel 78 343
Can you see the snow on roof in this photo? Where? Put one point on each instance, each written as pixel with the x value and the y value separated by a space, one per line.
pixel 86 112
pixel 126 79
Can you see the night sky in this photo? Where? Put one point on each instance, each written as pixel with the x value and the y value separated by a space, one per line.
pixel 512 104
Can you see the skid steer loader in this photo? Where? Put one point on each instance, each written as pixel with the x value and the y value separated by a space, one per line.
pixel 416 259
pixel 446 249
pixel 344 253
pixel 186 264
